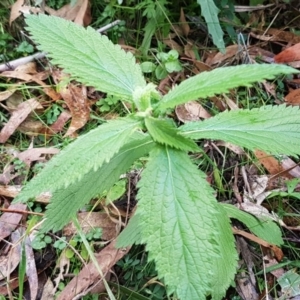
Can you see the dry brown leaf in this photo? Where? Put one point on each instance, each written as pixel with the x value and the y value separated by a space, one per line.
pixel 14 100
pixel 10 221
pixel 277 251
pixel 10 190
pixel 246 281
pixel 270 262
pixel 89 275
pixel 90 220
pixel 17 75
pixel 290 167
pixel 36 154
pixel 17 117
pixel 285 168
pixel 220 58
pixel 263 54
pixel 48 293
pixel 169 41
pixel 201 66
pixel 234 148
pixel 29 68
pixel 185 27
pixel 274 35
pixel 31 127
pixel 283 36
pixel 59 124
pixel 84 16
pixel 31 270
pixel 15 10
pixel 191 111
pixel 231 104
pixel 7 174
pixel 9 261
pixel 80 11
pixel 77 102
pixel 293 97
pixel 63 265
pixel 189 50
pixel 6 94
pixel 290 54
pixel 269 162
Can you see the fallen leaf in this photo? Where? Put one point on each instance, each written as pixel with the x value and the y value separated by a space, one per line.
pixel 17 117
pixel 13 190
pixel 29 68
pixel 288 55
pixel 293 97
pixel 9 261
pixel 90 220
pixel 270 262
pixel 48 293
pixel 191 111
pixel 59 124
pixel 270 163
pixel 84 16
pixel 32 127
pixel 15 10
pixel 10 190
pixel 264 55
pixel 89 275
pixel 277 251
pixel 234 148
pixel 185 27
pixel 80 11
pixel 77 102
pixel 220 58
pixel 285 168
pixel 10 221
pixel 6 94
pixel 36 154
pixel 31 270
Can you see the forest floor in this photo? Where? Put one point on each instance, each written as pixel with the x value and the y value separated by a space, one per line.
pixel 42 110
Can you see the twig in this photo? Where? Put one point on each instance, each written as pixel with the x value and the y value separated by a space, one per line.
pixel 23 212
pixel 24 60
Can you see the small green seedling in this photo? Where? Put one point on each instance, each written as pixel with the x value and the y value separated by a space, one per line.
pixel 291 185
pixel 187 232
pixel 168 63
pixel 105 104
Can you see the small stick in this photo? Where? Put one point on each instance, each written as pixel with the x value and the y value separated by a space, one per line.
pixel 23 212
pixel 24 60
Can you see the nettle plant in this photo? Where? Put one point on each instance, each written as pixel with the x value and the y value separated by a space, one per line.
pixel 186 231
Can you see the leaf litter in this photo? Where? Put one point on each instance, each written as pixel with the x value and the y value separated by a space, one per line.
pixel 77 106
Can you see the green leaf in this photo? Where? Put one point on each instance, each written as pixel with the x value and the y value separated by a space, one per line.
pixel 178 217
pixel 131 233
pixel 162 131
pixel 207 84
pixel 86 153
pixel 65 202
pixel 210 13
pixel 173 66
pixel 161 72
pixel 274 129
pixel 87 55
pixel 226 264
pixel 264 227
pixel 148 67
